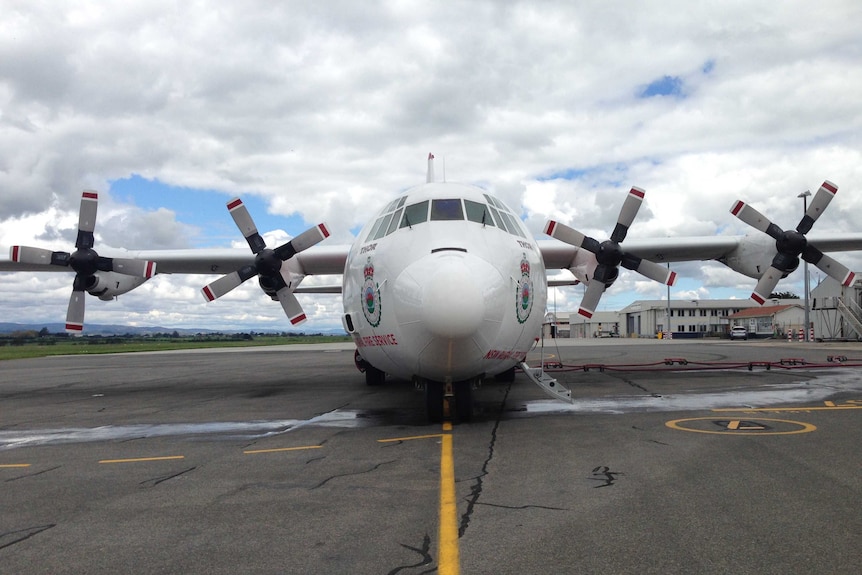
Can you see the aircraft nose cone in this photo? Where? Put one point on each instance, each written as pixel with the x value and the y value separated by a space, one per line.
pixel 454 306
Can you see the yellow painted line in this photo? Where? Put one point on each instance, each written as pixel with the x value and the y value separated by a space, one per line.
pixel 762 409
pixel 139 459
pixel 803 427
pixel 447 426
pixel 737 424
pixel 449 562
pixel 277 449
pixel 410 438
pixel 13 465
pixel 829 403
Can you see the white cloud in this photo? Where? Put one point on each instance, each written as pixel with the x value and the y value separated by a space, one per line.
pixel 328 109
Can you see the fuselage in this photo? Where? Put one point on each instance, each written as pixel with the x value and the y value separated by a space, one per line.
pixel 445 284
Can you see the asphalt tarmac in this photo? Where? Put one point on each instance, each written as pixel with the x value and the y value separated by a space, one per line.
pixel 675 457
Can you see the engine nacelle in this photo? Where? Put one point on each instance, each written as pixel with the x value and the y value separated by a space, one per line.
pixel 108 285
pixel 753 256
pixel 583 266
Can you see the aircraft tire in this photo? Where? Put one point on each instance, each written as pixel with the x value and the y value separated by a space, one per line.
pixel 374 376
pixel 434 401
pixel 507 376
pixel 463 400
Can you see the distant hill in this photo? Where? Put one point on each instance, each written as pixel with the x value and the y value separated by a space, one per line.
pixel 108 330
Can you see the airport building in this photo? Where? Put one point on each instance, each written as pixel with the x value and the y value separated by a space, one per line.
pixel 688 319
pixel 836 310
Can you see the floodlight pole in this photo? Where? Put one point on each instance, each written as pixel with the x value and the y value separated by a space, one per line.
pixel 804 195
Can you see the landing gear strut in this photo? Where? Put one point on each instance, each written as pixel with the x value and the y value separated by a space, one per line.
pixel 449 400
pixel 373 376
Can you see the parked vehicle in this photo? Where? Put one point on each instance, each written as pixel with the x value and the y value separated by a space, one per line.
pixel 739 332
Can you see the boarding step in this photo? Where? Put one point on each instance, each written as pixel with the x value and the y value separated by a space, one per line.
pixel 548 384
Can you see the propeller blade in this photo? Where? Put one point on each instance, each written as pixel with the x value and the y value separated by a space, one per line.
pixel 75 312
pixel 834 269
pixel 302 242
pixel 766 284
pixel 627 214
pixel 291 306
pixel 87 219
pixel 657 272
pixel 565 234
pixel 246 226
pixel 40 256
pixel 821 199
pixel 755 219
pixel 594 292
pixel 129 267
pixel 227 283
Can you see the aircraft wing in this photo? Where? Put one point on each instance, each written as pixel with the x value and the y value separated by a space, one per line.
pixel 559 255
pixel 319 260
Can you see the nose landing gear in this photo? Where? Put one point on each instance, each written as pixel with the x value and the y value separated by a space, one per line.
pixel 449 401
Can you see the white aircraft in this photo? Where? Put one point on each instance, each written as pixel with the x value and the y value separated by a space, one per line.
pixel 445 286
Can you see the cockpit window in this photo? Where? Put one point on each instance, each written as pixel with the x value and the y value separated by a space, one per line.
pixel 384 225
pixel 394 225
pixel 446 210
pixel 478 213
pixel 415 214
pixel 397 215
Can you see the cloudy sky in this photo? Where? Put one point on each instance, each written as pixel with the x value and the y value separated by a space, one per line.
pixel 324 111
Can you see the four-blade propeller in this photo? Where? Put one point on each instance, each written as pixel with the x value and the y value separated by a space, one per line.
pixel 791 244
pixel 269 264
pixel 84 261
pixel 609 254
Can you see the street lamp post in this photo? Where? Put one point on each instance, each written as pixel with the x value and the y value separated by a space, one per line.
pixel 804 195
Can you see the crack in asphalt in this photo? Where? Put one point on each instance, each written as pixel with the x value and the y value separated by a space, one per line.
pixel 476 488
pixel 424 551
pixel 33 474
pixel 157 480
pixel 328 479
pixel 519 507
pixel 23 534
pixel 637 385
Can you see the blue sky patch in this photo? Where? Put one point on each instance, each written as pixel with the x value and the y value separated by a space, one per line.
pixel 205 209
pixel 664 86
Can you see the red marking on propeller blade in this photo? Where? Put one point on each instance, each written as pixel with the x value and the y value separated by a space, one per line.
pixel 90 195
pixel 756 297
pixel 234 204
pixel 672 278
pixel 75 327
pixel 849 279
pixel 323 230
pixel 208 293
pixel 298 319
pixel 151 269
pixel 737 207
pixel 637 192
pixel 549 229
pixel 15 253
pixel 829 187
pixel 585 313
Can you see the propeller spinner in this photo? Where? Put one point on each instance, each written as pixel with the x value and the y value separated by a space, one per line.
pixel 791 244
pixel 609 254
pixel 269 264
pixel 84 261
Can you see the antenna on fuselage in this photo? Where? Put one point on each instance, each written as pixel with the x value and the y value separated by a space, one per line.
pixel 430 178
